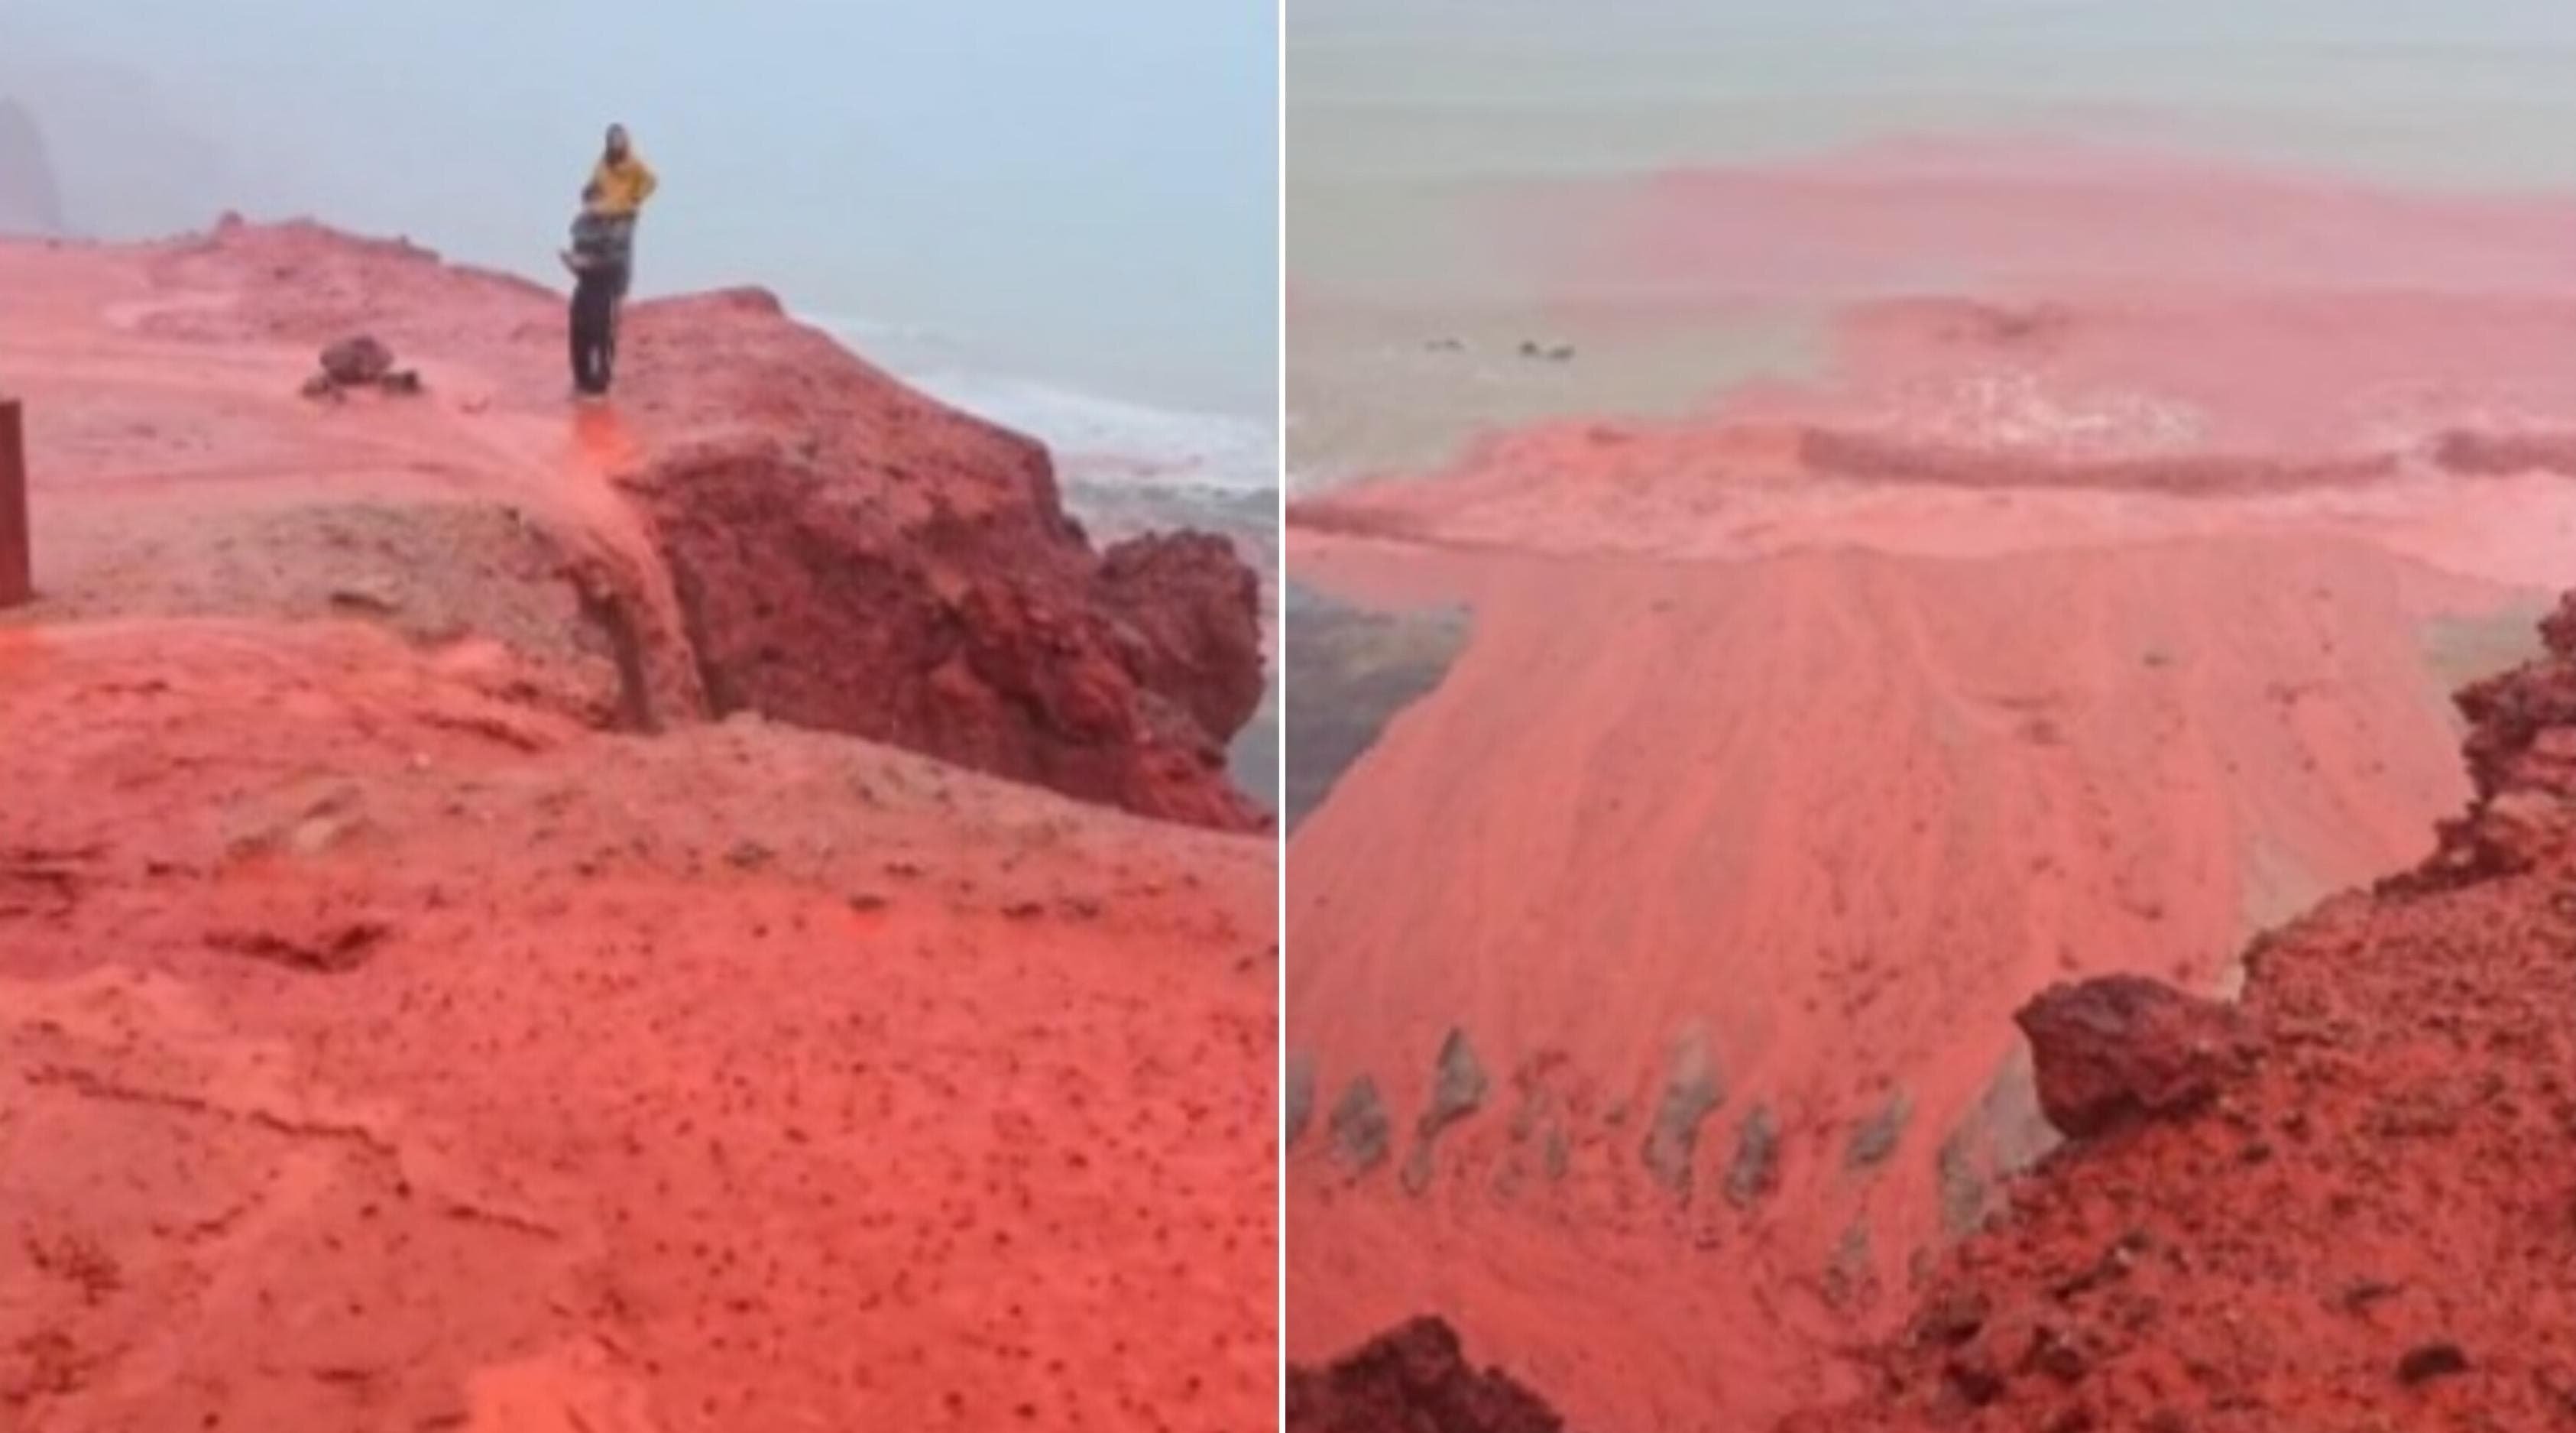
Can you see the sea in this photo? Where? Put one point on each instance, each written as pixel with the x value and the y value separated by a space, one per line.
pixel 1418 130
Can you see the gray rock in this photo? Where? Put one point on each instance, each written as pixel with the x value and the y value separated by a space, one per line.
pixel 1458 1084
pixel 1876 1139
pixel 1360 1128
pixel 1755 1171
pixel 1691 1092
pixel 1458 1088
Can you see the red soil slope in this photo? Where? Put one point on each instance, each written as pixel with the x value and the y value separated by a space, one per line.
pixel 2357 1219
pixel 390 1042
pixel 1654 976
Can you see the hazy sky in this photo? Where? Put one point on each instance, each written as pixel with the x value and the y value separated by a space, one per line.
pixel 1933 23
pixel 2468 93
pixel 1087 192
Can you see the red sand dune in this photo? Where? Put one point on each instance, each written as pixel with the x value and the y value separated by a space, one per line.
pixel 414 1015
pixel 1797 743
pixel 2354 1215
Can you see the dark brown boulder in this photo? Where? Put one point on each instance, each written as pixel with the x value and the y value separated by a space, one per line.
pixel 2121 1047
pixel 1197 608
pixel 814 595
pixel 1414 1379
pixel 357 362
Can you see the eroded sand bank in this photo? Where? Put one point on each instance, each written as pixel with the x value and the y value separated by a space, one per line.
pixel 2093 608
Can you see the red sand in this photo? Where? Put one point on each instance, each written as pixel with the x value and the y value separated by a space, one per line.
pixel 2043 637
pixel 385 1045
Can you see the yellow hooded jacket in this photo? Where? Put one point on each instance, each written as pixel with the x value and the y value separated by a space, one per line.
pixel 624 185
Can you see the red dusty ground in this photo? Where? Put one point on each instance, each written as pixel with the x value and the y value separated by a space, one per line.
pixel 380 1052
pixel 2045 635
pixel 761 521
pixel 395 1036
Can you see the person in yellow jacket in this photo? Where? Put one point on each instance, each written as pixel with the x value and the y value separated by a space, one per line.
pixel 624 182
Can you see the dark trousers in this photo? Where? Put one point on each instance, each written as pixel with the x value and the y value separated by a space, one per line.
pixel 625 229
pixel 594 330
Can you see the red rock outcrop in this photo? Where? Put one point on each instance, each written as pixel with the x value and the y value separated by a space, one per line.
pixel 31 194
pixel 2521 752
pixel 1414 1379
pixel 806 599
pixel 2370 1227
pixel 1194 610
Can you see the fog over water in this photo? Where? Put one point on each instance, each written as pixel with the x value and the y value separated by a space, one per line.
pixel 1080 194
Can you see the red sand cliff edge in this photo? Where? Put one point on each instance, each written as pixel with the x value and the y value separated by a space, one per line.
pixel 760 521
pixel 395 1036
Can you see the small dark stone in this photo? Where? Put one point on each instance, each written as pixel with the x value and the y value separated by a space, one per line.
pixel 2426 1362
pixel 354 362
pixel 1952 1318
pixel 2060 1356
pixel 1973 1378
